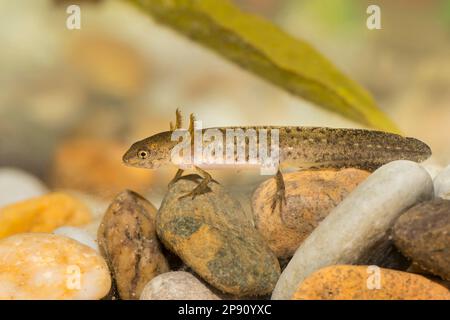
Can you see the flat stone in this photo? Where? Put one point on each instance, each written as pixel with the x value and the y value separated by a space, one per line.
pixel 358 222
pixel 127 239
pixel 310 196
pixel 214 237
pixel 177 285
pixel 345 282
pixel 423 234
pixel 48 266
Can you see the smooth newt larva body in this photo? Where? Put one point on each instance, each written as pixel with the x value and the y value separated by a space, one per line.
pixel 303 147
pixel 298 147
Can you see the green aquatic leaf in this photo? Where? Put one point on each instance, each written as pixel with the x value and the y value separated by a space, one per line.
pixel 259 46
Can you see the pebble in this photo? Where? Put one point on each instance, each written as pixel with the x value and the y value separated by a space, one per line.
pixel 358 222
pixel 177 285
pixel 432 168
pixel 97 207
pixel 48 266
pixel 92 228
pixel 214 237
pixel 79 235
pixel 17 185
pixel 345 282
pixel 423 235
pixel 310 196
pixel 93 166
pixel 127 239
pixel 442 184
pixel 43 214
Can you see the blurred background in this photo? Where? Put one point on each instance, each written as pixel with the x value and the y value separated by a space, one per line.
pixel 72 101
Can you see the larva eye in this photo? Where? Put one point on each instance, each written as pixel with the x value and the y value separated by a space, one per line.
pixel 142 154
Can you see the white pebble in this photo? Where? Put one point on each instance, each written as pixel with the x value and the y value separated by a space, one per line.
pixel 92 228
pixel 177 285
pixel 17 185
pixel 79 235
pixel 442 184
pixel 97 206
pixel 358 222
pixel 432 168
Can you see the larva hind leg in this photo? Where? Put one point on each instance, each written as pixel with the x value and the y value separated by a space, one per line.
pixel 280 195
pixel 176 177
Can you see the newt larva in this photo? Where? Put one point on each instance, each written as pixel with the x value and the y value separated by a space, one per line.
pixel 298 147
pixel 303 147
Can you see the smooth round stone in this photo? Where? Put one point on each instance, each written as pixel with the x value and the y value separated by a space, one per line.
pixel 347 282
pixel 92 228
pixel 432 168
pixel 423 235
pixel 177 285
pixel 48 266
pixel 310 196
pixel 215 238
pixel 359 222
pixel 96 205
pixel 442 184
pixel 17 185
pixel 79 235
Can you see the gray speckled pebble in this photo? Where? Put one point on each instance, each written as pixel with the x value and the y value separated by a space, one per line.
pixel 214 237
pixel 358 222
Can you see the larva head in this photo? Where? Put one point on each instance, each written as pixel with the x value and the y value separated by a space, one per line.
pixel 150 153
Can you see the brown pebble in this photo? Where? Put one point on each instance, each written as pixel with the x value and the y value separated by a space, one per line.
pixel 345 282
pixel 310 196
pixel 423 234
pixel 214 237
pixel 127 239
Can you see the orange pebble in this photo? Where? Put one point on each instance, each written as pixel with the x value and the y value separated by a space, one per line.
pixel 345 282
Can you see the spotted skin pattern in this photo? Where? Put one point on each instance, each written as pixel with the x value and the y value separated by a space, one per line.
pixel 303 148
